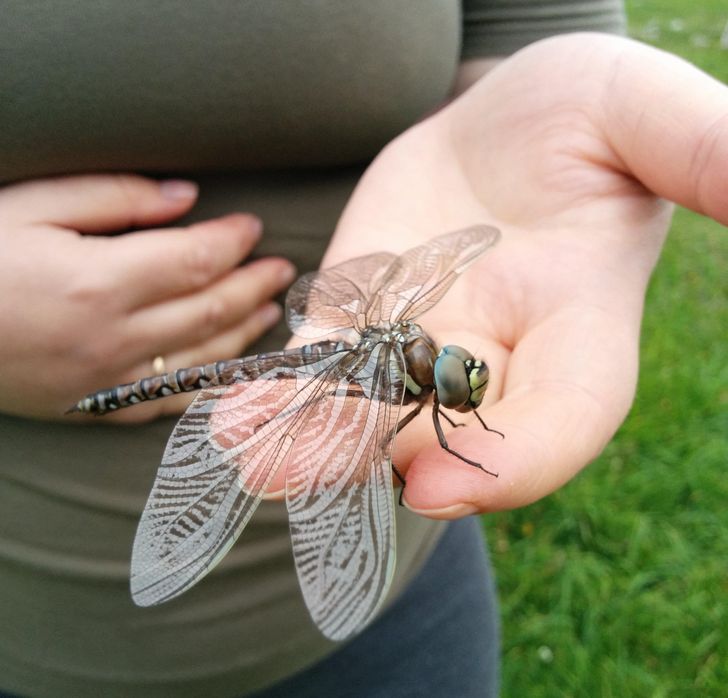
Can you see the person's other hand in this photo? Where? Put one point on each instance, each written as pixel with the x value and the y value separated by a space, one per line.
pixel 80 310
pixel 568 147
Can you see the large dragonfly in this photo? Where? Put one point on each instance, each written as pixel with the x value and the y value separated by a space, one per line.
pixel 327 413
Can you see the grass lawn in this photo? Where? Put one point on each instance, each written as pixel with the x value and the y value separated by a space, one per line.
pixel 617 585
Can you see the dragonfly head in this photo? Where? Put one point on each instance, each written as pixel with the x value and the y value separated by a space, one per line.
pixel 460 379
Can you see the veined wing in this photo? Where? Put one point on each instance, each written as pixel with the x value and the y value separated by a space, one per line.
pixel 336 298
pixel 420 277
pixel 339 496
pixel 218 462
pixel 382 287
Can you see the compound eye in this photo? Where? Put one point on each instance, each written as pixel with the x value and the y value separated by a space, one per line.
pixel 451 381
pixel 454 350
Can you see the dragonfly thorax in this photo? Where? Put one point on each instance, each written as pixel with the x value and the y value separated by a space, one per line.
pixel 420 354
pixel 417 348
pixel 390 333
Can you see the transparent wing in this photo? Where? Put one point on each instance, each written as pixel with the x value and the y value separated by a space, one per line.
pixel 218 461
pixel 382 287
pixel 339 497
pixel 336 298
pixel 420 277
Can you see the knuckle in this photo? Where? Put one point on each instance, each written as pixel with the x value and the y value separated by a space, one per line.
pixel 91 291
pixel 707 163
pixel 134 195
pixel 95 352
pixel 199 264
pixel 129 187
pixel 216 313
pixel 90 302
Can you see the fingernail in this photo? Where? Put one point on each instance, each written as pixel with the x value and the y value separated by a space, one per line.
pixel 256 225
pixel 287 274
pixel 455 511
pixel 178 189
pixel 271 313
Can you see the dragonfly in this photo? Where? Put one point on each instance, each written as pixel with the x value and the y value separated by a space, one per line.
pixel 327 413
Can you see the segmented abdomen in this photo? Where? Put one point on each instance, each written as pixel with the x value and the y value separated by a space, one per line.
pixel 185 380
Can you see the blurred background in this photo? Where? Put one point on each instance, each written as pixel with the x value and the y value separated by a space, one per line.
pixel 617 585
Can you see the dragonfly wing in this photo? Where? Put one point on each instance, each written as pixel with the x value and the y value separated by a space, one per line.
pixel 220 458
pixel 340 500
pixel 336 298
pixel 420 277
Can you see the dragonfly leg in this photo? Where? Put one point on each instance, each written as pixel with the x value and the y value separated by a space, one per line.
pixel 487 428
pixel 450 421
pixel 443 441
pixel 400 477
pixel 408 418
pixel 401 425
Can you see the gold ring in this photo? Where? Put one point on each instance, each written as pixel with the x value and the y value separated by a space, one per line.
pixel 158 365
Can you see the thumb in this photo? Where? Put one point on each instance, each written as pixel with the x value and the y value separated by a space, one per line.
pixel 668 123
pixel 96 203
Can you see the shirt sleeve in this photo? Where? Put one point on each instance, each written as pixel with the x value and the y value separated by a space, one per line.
pixel 501 27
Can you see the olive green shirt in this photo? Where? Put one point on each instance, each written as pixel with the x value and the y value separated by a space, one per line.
pixel 274 107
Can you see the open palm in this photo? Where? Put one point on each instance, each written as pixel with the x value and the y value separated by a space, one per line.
pixel 567 147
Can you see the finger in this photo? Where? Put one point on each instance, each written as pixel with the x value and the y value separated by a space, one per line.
pixel 230 343
pixel 668 123
pixel 97 203
pixel 568 387
pixel 227 345
pixel 195 318
pixel 160 264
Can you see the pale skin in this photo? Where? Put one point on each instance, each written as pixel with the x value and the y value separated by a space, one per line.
pixel 80 311
pixel 571 147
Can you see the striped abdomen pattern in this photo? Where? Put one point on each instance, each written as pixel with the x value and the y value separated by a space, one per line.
pixel 185 380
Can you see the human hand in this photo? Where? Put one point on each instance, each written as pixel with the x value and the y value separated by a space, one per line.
pixel 567 147
pixel 80 310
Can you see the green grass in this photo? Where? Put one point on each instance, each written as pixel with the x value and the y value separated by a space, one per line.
pixel 617 585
